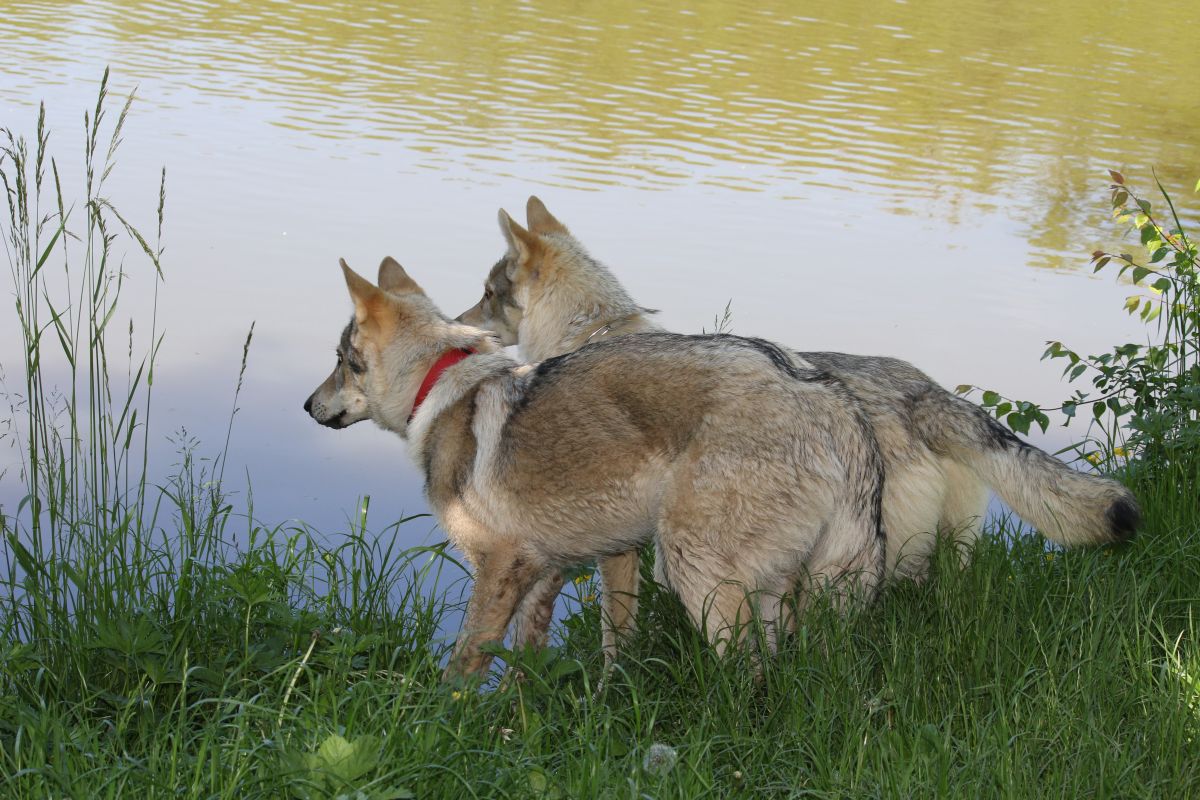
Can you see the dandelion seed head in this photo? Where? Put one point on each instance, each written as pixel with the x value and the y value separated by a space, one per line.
pixel 660 759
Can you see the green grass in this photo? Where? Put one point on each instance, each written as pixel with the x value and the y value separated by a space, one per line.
pixel 1024 675
pixel 142 654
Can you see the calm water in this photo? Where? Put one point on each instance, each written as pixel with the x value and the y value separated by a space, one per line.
pixel 921 180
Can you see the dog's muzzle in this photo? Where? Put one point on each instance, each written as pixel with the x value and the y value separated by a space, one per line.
pixel 338 421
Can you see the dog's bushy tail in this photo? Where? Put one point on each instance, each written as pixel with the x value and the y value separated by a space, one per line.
pixel 1067 506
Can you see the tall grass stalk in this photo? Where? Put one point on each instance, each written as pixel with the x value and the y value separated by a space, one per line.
pixel 84 451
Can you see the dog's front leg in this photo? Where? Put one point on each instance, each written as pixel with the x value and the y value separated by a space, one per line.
pixel 531 625
pixel 619 576
pixel 502 579
pixel 531 622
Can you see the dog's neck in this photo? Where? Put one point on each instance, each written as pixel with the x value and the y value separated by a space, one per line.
pixel 637 322
pixel 447 360
pixel 454 383
pixel 577 310
pixel 576 301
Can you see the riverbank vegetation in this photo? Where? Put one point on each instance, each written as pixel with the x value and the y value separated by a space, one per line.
pixel 156 641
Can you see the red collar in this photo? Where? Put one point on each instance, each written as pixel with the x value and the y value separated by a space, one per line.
pixel 447 360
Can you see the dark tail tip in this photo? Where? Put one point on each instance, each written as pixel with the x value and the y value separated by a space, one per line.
pixel 1124 517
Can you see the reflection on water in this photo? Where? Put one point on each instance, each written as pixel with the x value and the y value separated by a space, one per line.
pixel 910 100
pixel 866 177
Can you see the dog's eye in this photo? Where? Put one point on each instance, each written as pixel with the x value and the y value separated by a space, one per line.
pixel 487 294
pixel 338 353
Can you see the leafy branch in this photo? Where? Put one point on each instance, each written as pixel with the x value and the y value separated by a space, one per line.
pixel 1144 398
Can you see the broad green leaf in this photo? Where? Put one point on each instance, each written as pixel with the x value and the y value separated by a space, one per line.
pixel 1018 422
pixel 1139 273
pixel 1119 198
pixel 1159 254
pixel 537 780
pixel 345 759
pixel 541 785
pixel 990 398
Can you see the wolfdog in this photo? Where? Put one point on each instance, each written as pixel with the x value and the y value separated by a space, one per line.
pixel 941 453
pixel 747 464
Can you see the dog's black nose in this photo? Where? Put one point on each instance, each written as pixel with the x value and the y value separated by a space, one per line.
pixel 308 405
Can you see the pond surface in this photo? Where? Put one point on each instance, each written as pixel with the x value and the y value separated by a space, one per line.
pixel 923 180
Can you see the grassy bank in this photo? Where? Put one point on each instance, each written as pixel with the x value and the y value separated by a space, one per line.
pixel 156 642
pixel 1025 675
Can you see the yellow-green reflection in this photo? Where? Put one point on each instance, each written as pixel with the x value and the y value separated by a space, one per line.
pixel 939 107
pixel 917 100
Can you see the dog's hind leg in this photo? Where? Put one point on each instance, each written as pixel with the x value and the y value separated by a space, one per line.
pixel 502 580
pixel 776 612
pixel 963 509
pixel 619 577
pixel 724 613
pixel 712 594
pixel 847 565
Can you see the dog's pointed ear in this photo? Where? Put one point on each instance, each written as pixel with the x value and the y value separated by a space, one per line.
pixel 522 244
pixel 539 219
pixel 393 278
pixel 368 299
